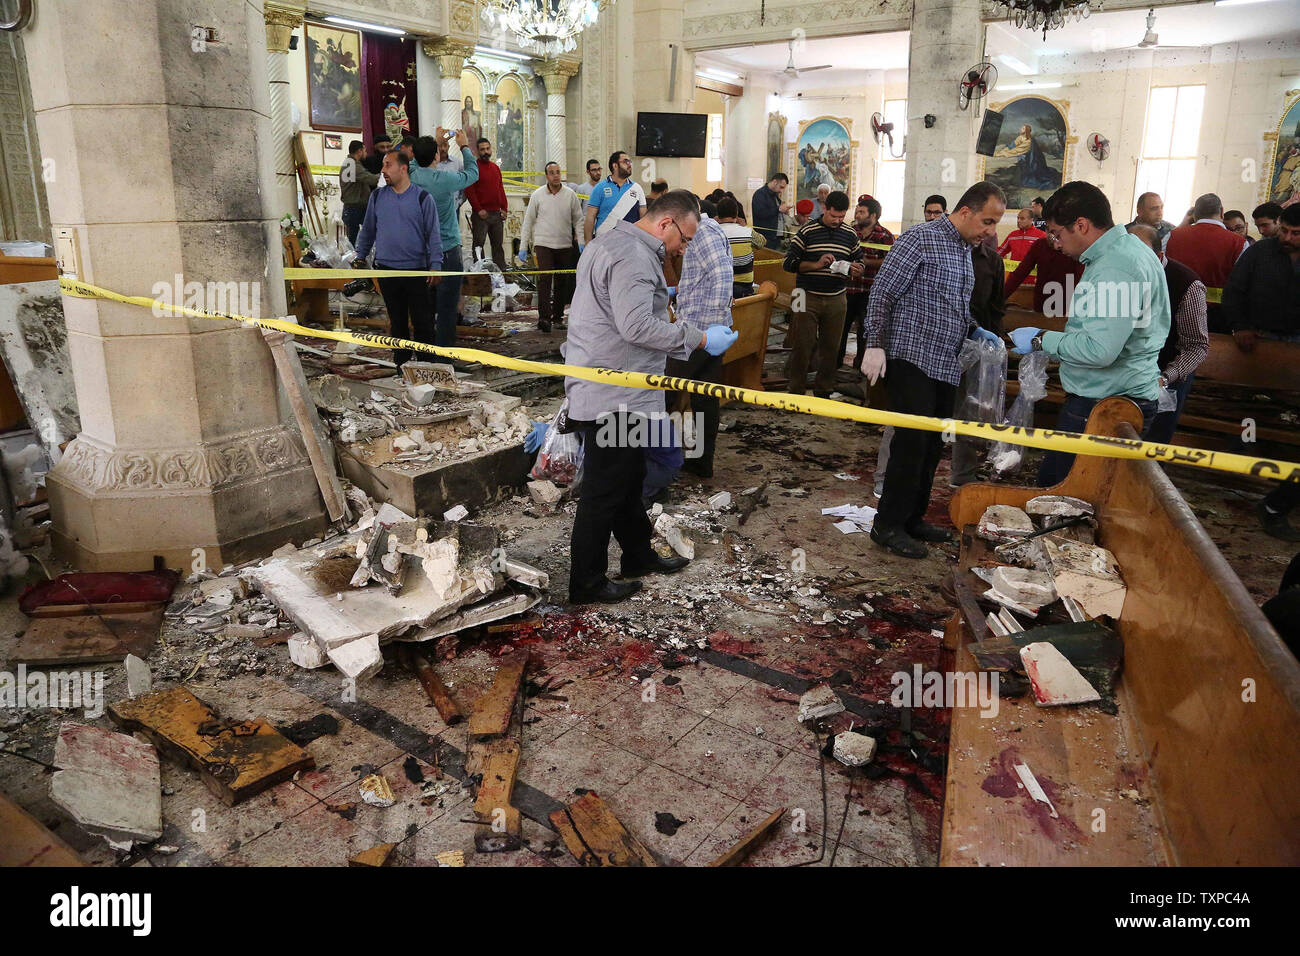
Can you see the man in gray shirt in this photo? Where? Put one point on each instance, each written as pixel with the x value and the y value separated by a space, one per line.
pixel 619 320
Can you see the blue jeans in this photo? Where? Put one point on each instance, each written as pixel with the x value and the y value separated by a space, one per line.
pixel 446 299
pixel 1162 429
pixel 353 217
pixel 1074 418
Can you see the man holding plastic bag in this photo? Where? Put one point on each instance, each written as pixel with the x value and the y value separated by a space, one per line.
pixel 1118 321
pixel 619 320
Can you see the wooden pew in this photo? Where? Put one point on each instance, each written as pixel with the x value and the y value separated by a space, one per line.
pixel 1187 772
pixel 742 364
pixel 767 268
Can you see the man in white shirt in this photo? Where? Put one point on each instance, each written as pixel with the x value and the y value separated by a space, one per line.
pixel 552 224
pixel 593 180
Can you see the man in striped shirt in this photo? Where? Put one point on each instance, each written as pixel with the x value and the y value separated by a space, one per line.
pixel 918 315
pixel 743 241
pixel 825 253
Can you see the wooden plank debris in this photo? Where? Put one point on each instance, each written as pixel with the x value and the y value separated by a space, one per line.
pixel 501 826
pixel 414 660
pixel 595 836
pixel 493 711
pixel 96 638
pixel 749 842
pixel 27 842
pixel 236 759
pixel 375 856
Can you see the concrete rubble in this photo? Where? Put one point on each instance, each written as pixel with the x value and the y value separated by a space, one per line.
pixel 854 749
pixel 109 783
pixel 1004 522
pixel 1055 680
pixel 821 701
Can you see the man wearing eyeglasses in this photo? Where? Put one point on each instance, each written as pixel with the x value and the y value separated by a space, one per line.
pixel 1119 317
pixel 619 320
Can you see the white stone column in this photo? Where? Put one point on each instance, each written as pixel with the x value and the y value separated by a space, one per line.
pixel 556 74
pixel 182 444
pixel 281 20
pixel 947 37
pixel 451 55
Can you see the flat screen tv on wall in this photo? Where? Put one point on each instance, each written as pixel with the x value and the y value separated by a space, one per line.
pixel 671 134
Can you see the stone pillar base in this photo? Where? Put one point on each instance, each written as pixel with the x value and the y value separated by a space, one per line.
pixel 236 500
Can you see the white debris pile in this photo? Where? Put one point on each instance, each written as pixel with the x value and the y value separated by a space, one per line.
pixel 401 578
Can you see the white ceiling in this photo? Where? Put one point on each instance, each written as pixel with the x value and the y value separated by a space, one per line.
pixel 1198 24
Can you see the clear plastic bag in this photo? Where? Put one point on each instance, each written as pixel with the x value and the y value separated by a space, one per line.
pixel 984 365
pixel 560 456
pixel 327 252
pixel 1006 458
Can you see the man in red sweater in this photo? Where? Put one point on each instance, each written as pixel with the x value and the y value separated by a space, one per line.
pixel 1018 242
pixel 1210 249
pixel 1058 274
pixel 487 199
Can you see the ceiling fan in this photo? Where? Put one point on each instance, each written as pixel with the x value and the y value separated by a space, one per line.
pixel 792 71
pixel 1151 40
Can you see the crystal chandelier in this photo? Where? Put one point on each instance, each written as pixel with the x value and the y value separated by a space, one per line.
pixel 547 27
pixel 1045 14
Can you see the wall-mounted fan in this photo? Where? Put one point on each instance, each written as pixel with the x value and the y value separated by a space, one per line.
pixel 882 130
pixel 976 83
pixel 1098 146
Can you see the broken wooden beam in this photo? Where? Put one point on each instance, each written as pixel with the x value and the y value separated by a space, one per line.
pixel 749 842
pixel 595 836
pixel 28 842
pixel 500 826
pixel 495 709
pixel 235 759
pixel 415 661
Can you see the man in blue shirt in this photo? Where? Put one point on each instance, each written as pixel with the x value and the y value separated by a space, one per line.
pixel 618 195
pixel 445 185
pixel 401 226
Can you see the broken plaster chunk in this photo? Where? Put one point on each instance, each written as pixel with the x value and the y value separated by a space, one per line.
pixel 526 574
pixel 305 652
pixel 1001 522
pixel 854 749
pixel 1087 573
pixel 404 443
pixel 1022 586
pixel 819 702
pixel 1058 506
pixel 358 659
pixel 109 783
pixel 720 500
pixel 666 526
pixel 138 678
pixel 420 395
pixel 455 514
pixel 1055 680
pixel 545 493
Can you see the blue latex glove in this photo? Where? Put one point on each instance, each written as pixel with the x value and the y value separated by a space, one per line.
pixel 672 291
pixel 535 437
pixel 984 335
pixel 718 338
pixel 523 256
pixel 581 246
pixel 1024 340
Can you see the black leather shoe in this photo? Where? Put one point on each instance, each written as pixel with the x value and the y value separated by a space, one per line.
pixel 543 326
pixel 930 532
pixel 899 542
pixel 657 565
pixel 611 592
pixel 1276 525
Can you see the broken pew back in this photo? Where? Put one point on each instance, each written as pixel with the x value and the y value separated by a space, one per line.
pixel 1209 699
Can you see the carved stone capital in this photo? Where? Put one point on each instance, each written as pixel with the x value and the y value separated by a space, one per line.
pixel 103 471
pixel 281 20
pixel 450 53
pixel 556 74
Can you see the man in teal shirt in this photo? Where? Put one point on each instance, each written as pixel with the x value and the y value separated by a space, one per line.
pixel 443 185
pixel 1118 319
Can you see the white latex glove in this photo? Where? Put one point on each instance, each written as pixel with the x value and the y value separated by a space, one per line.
pixel 873 364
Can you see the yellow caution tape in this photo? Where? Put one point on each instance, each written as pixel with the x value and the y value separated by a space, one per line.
pixel 1068 442
pixel 299 273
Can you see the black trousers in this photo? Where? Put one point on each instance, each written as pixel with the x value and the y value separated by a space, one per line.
pixel 610 503
pixel 553 292
pixel 409 304
pixel 913 455
pixel 855 313
pixel 1284 497
pixel 702 367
